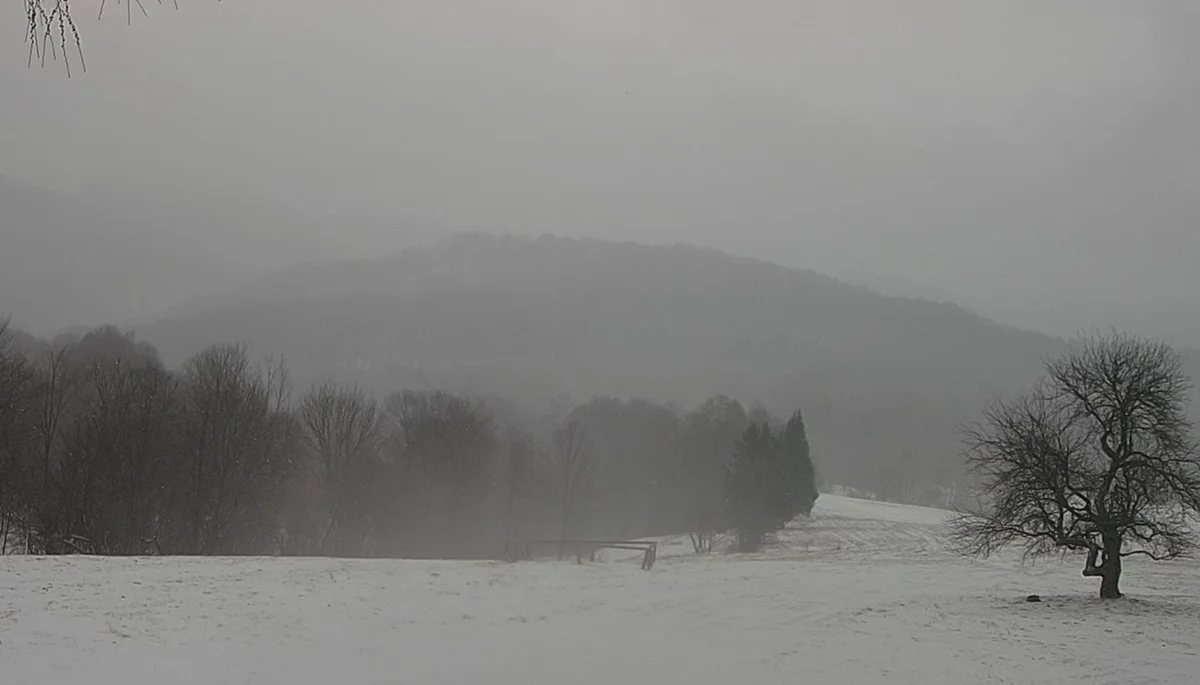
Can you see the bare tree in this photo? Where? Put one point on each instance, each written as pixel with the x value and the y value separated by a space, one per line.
pixel 12 373
pixel 277 377
pixel 113 485
pixel 239 447
pixel 1099 459
pixel 574 467
pixel 15 438
pixel 56 377
pixel 522 458
pixel 442 495
pixel 712 432
pixel 342 427
pixel 14 386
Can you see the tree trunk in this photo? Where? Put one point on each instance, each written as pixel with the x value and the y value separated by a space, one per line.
pixel 1109 568
pixel 1110 581
pixel 1110 584
pixel 566 517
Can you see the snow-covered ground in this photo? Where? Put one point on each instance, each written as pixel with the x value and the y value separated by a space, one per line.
pixel 861 593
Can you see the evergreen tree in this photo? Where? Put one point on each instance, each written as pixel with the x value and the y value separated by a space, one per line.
pixel 796 489
pixel 748 487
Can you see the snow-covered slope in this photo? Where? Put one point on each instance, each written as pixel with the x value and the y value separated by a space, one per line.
pixel 843 526
pixel 861 593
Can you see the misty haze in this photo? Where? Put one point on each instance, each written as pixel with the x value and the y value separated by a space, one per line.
pixel 596 341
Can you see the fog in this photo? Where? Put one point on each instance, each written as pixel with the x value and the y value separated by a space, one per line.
pixel 1029 160
pixel 340 189
pixel 545 340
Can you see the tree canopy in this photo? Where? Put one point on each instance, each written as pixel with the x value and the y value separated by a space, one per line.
pixel 769 481
pixel 1098 459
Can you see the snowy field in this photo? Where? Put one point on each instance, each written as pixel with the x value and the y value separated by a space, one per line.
pixel 861 593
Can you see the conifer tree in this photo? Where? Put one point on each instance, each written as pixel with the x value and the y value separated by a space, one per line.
pixel 797 480
pixel 748 487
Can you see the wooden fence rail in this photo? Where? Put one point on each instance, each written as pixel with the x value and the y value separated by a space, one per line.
pixel 522 550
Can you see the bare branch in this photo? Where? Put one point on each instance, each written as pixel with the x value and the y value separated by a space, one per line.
pixel 1156 557
pixel 1097 458
pixel 342 427
pixel 50 28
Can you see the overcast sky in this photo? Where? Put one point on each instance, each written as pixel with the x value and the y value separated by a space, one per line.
pixel 1034 159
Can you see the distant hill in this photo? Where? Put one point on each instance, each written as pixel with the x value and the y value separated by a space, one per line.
pixel 878 377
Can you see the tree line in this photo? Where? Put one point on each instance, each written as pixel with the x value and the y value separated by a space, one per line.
pixel 104 450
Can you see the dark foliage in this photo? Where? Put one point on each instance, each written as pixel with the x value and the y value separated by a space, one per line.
pixel 796 485
pixel 749 487
pixel 103 450
pixel 769 482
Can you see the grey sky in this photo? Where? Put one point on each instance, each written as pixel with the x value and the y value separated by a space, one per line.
pixel 1033 159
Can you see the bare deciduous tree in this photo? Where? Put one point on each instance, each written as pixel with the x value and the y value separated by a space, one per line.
pixel 13 369
pixel 342 427
pixel 114 483
pixel 442 467
pixel 15 438
pixel 239 444
pixel 574 467
pixel 55 380
pixel 522 462
pixel 1098 459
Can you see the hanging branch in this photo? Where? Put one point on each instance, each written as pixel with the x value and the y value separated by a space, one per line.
pixel 50 29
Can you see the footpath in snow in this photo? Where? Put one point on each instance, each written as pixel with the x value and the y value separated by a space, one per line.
pixel 861 593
